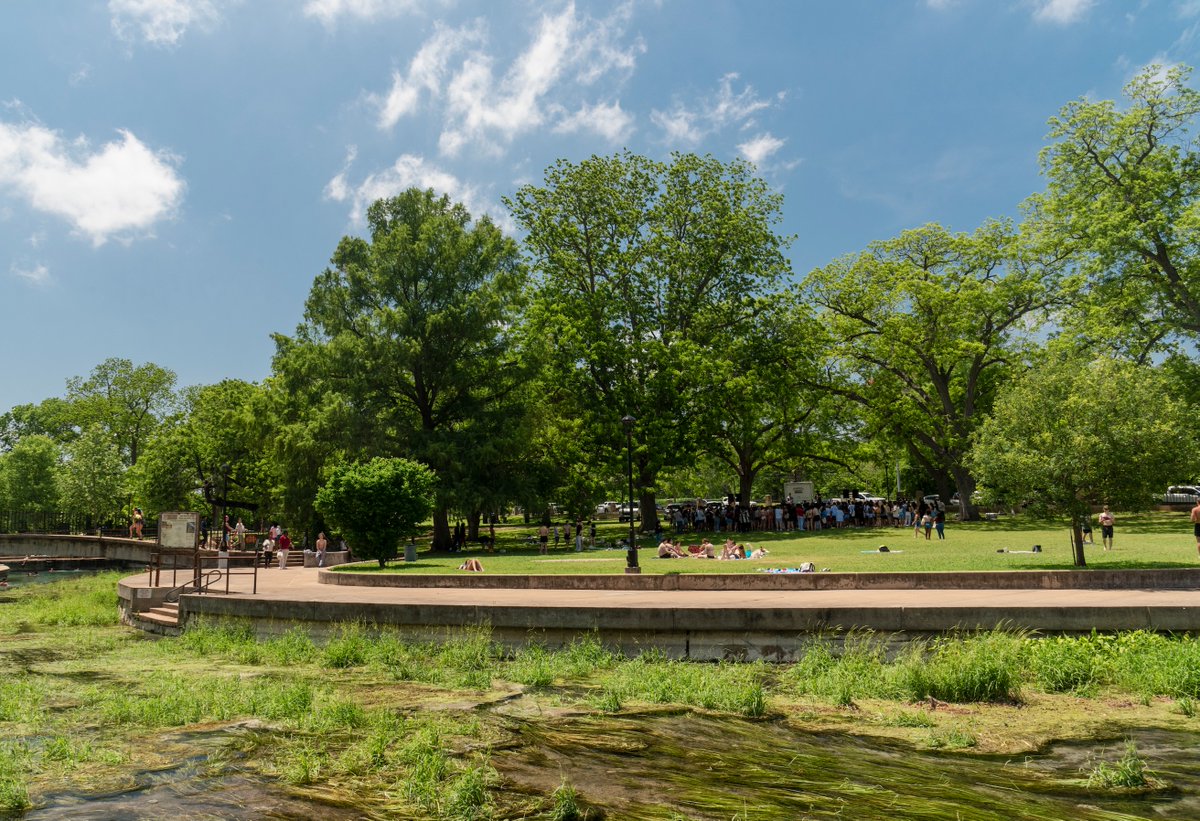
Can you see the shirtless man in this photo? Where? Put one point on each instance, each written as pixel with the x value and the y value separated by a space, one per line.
pixel 1196 524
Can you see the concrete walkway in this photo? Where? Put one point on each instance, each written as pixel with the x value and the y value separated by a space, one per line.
pixel 770 624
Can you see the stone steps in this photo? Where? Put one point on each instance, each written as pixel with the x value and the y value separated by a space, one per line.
pixel 162 619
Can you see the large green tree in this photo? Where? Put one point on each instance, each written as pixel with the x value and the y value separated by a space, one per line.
pixel 92 477
pixel 212 453
pixel 647 270
pixel 1123 194
pixel 29 474
pixel 126 400
pixel 407 346
pixel 923 329
pixel 1072 433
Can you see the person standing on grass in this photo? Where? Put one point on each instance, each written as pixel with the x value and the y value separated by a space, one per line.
pixel 1106 527
pixel 939 521
pixel 578 535
pixel 543 538
pixel 1196 524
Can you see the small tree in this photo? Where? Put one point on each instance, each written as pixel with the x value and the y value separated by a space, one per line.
pixel 1072 433
pixel 377 503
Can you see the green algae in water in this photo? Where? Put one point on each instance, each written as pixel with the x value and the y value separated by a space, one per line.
pixel 710 767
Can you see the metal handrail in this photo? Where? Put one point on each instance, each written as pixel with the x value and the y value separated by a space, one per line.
pixel 204 582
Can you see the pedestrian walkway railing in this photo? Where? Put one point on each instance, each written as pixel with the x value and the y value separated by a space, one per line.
pixel 205 570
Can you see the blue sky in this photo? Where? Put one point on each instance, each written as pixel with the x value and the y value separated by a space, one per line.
pixel 174 173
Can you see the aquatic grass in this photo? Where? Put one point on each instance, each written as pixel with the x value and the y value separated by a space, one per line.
pixel 858 670
pixel 736 688
pixel 468 658
pixel 980 667
pixel 1062 664
pixel 532 666
pixel 168 699
pixel 304 765
pixel 908 718
pixel 337 714
pixel 1129 772
pixel 15 766
pixel 954 738
pixel 349 648
pixel 20 700
pixel 565 803
pixel 82 601
pixel 466 797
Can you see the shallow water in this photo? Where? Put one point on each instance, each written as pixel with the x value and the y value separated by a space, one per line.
pixel 18 578
pixel 686 765
pixel 208 783
pixel 704 767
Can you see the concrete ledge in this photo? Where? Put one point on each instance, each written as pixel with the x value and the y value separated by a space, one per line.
pixel 76 546
pixel 1182 578
pixel 705 633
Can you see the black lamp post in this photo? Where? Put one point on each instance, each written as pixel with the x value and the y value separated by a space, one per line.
pixel 224 505
pixel 631 558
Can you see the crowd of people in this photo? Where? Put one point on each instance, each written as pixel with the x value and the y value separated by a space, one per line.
pixel 813 515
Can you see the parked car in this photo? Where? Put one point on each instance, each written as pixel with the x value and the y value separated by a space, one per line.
pixel 623 516
pixel 1181 495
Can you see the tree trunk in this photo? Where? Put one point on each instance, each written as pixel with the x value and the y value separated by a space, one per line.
pixel 442 538
pixel 473 526
pixel 648 510
pixel 1077 539
pixel 745 489
pixel 965 483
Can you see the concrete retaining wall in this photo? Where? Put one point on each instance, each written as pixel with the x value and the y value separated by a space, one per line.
pixel 1184 578
pixel 76 546
pixel 695 633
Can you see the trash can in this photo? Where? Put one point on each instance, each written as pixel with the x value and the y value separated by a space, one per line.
pixel 410 552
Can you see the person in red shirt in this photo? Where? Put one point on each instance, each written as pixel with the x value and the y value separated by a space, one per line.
pixel 282 548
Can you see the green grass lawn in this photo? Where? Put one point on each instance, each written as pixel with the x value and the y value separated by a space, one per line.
pixel 1141 541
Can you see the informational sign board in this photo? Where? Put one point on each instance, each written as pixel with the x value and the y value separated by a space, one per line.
pixel 799 491
pixel 179 530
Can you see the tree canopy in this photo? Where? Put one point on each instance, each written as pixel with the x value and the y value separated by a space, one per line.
pixel 647 271
pixel 375 504
pixel 1072 433
pixel 407 340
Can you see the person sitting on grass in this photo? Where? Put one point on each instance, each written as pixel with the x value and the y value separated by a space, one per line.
pixel 667 550
pixel 733 551
pixel 705 550
pixel 471 564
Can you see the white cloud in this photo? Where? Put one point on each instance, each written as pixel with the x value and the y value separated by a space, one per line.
pixel 690 124
pixel 487 106
pixel 409 171
pixel 761 147
pixel 1061 12
pixel 121 188
pixel 329 11
pixel 941 4
pixel 609 121
pixel 36 274
pixel 426 71
pixel 163 22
